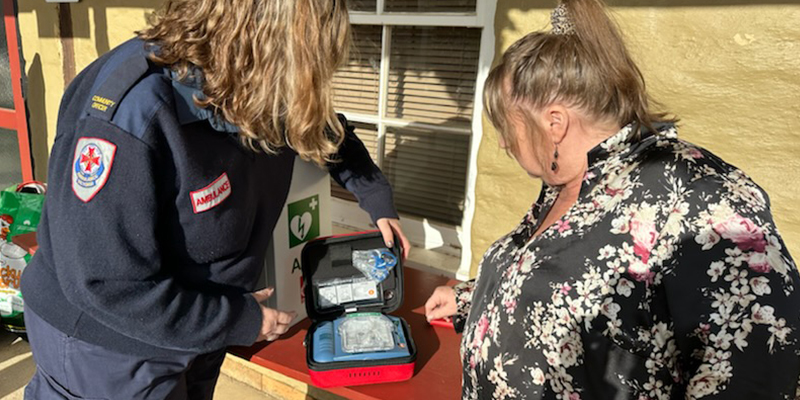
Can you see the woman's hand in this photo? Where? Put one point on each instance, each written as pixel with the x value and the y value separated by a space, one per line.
pixel 441 304
pixel 390 228
pixel 274 323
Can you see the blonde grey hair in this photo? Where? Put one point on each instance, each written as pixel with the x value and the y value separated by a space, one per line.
pixel 268 66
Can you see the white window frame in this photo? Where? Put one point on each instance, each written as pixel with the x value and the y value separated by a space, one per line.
pixel 452 240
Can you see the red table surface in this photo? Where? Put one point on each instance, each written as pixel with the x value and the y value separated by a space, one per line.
pixel 437 374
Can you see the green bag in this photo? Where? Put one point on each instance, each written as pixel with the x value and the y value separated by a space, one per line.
pixel 19 212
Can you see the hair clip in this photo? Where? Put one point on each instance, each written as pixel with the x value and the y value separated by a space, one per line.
pixel 562 24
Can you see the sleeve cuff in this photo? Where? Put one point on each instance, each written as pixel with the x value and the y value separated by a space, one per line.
pixel 380 205
pixel 463 303
pixel 246 329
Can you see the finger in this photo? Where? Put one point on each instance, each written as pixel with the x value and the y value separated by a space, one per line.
pixel 280 329
pixel 269 323
pixel 398 230
pixel 386 231
pixel 272 338
pixel 263 294
pixel 286 318
pixel 437 314
pixel 432 303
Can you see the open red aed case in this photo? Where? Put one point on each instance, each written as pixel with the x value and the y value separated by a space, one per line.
pixel 330 258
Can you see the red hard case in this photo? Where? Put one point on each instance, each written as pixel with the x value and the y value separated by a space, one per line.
pixel 319 261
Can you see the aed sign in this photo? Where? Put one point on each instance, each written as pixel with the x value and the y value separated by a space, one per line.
pixel 303 220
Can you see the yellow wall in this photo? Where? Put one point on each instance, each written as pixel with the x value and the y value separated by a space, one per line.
pixel 38 25
pixel 98 25
pixel 730 72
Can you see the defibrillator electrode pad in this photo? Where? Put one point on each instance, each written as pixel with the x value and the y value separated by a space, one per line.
pixel 367 333
pixel 339 291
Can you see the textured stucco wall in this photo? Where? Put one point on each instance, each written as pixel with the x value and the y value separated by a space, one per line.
pixel 729 69
pixel 42 53
pixel 108 23
pixel 98 25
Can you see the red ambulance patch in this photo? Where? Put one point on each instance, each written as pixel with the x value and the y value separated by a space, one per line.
pixel 91 166
pixel 211 195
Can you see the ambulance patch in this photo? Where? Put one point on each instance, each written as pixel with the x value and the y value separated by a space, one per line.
pixel 211 195
pixel 91 166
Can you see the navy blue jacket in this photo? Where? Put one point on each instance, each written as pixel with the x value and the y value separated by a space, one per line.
pixel 157 219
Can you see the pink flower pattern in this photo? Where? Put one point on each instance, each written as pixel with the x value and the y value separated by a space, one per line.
pixel 644 238
pixel 687 285
pixel 562 225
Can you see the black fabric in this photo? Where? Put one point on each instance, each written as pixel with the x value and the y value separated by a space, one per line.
pixel 70 369
pixel 105 100
pixel 162 257
pixel 667 279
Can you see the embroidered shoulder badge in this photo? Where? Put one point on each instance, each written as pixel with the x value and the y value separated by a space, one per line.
pixel 211 195
pixel 91 166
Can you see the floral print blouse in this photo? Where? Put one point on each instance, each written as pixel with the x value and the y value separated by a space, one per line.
pixel 666 280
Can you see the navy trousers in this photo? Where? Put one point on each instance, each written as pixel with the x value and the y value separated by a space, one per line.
pixel 70 369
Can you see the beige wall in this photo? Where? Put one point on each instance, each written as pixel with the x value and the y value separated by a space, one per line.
pixel 98 25
pixel 730 72
pixel 38 25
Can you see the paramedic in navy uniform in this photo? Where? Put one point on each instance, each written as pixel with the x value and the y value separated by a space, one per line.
pixel 171 165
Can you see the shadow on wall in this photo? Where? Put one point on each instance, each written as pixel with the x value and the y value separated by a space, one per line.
pixel 506 6
pixel 546 4
pixel 86 16
pixel 81 16
pixel 37 116
pixel 100 18
pixel 716 84
pixel 413 171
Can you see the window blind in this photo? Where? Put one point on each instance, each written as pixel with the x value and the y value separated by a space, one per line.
pixel 362 5
pixel 431 79
pixel 432 74
pixel 430 6
pixel 356 84
pixel 427 170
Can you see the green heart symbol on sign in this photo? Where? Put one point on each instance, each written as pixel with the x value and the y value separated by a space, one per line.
pixel 301 225
pixel 304 221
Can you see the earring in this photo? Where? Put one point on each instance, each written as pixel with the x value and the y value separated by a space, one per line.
pixel 554 165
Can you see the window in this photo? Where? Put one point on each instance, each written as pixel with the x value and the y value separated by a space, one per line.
pixel 411 87
pixel 15 156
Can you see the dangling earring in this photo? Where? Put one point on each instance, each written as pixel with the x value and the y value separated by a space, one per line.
pixel 554 165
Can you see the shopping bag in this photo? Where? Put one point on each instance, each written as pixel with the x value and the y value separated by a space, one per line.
pixel 13 260
pixel 20 211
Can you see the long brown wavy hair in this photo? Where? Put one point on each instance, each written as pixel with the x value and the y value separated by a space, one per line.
pixel 585 65
pixel 267 66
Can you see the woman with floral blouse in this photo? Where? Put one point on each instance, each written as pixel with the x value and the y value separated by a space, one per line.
pixel 647 269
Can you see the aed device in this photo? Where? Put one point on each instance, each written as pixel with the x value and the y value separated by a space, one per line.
pixel 352 339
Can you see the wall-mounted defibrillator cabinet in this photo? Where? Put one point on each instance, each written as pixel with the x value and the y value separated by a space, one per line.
pixel 305 216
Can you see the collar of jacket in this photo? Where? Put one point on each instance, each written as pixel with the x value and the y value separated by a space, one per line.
pixel 186 90
pixel 621 148
pixel 624 145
